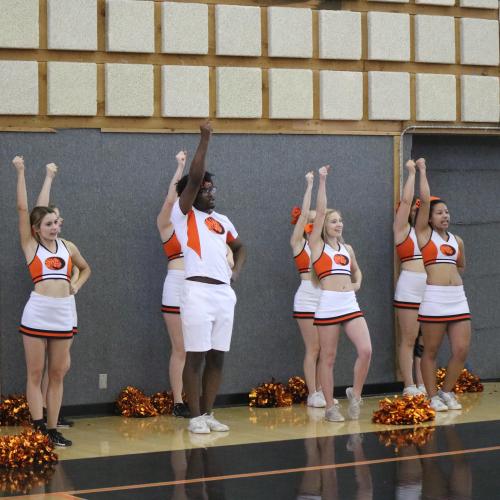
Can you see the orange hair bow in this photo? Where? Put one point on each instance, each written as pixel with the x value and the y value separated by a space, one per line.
pixel 294 215
pixel 308 228
pixel 418 202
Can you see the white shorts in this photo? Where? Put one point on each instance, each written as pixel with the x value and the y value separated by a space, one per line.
pixel 336 307
pixel 172 291
pixel 207 313
pixel 48 317
pixel 409 290
pixel 444 304
pixel 306 300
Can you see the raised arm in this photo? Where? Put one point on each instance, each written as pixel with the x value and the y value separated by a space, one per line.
pixel 163 221
pixel 43 199
pixel 196 170
pixel 400 225
pixel 315 236
pixel 422 222
pixel 298 230
pixel 22 205
pixel 84 274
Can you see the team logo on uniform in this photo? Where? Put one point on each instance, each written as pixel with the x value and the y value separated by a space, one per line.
pixel 214 225
pixel 54 263
pixel 341 260
pixel 447 250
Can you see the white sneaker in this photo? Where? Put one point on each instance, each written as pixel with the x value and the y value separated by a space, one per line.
pixel 213 424
pixel 422 389
pixel 450 400
pixel 412 390
pixel 437 404
pixel 316 400
pixel 354 408
pixel 333 414
pixel 322 398
pixel 198 425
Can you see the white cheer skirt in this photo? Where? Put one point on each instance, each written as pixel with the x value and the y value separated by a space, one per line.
pixel 306 300
pixel 444 304
pixel 172 291
pixel 410 290
pixel 336 307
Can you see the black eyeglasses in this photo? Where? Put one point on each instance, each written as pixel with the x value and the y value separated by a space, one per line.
pixel 208 190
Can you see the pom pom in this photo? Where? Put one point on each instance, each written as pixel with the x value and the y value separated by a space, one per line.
pixel 294 215
pixel 132 402
pixel 467 382
pixel 402 438
pixel 163 402
pixel 404 410
pixel 270 395
pixel 298 389
pixel 14 410
pixel 28 449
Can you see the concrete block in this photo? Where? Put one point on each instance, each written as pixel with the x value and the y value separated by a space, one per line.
pixel 341 95
pixel 185 91
pixel 72 88
pixel 388 36
pixel 436 97
pixel 129 89
pixel 130 26
pixel 72 24
pixel 184 28
pixel 388 95
pixel 339 34
pixel 480 99
pixel 289 32
pixel 390 1
pixel 290 93
pixel 237 30
pixel 479 42
pixel 19 24
pixel 480 4
pixel 18 88
pixel 239 92
pixel 448 3
pixel 435 39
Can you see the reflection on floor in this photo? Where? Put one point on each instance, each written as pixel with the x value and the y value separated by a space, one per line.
pixel 288 453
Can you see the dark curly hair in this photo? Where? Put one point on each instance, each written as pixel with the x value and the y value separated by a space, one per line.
pixel 181 185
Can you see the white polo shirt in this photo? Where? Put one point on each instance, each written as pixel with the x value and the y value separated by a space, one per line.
pixel 203 238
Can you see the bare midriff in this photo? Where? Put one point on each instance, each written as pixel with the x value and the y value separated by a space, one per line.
pixel 53 288
pixel 339 283
pixel 443 275
pixel 176 265
pixel 414 266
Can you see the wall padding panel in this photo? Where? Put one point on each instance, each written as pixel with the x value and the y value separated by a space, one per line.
pixel 185 91
pixel 237 30
pixel 341 95
pixel 72 88
pixel 339 34
pixel 480 99
pixel 289 32
pixel 130 26
pixel 129 89
pixel 184 28
pixel 436 97
pixel 239 92
pixel 388 36
pixel 72 24
pixel 19 24
pixel 18 88
pixel 479 42
pixel 435 39
pixel 290 93
pixel 388 95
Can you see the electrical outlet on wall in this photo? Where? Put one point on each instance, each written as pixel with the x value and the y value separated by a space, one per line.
pixel 103 380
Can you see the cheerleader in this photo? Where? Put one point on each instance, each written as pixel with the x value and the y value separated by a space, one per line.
pixel 411 283
pixel 307 296
pixel 340 277
pixel 48 318
pixel 172 289
pixel 444 308
pixel 43 200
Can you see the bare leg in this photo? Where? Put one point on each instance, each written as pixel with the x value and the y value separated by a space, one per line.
pixel 409 327
pixel 177 356
pixel 59 363
pixel 212 376
pixel 433 334
pixel 311 342
pixel 459 334
pixel 192 381
pixel 417 362
pixel 34 351
pixel 357 331
pixel 328 340
pixel 45 383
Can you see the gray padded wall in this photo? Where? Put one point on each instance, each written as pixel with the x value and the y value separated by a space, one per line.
pixel 110 189
pixel 465 172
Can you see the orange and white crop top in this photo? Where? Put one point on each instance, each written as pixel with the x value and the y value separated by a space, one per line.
pixel 439 251
pixel 333 262
pixel 408 249
pixel 303 259
pixel 47 265
pixel 172 248
pixel 203 238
